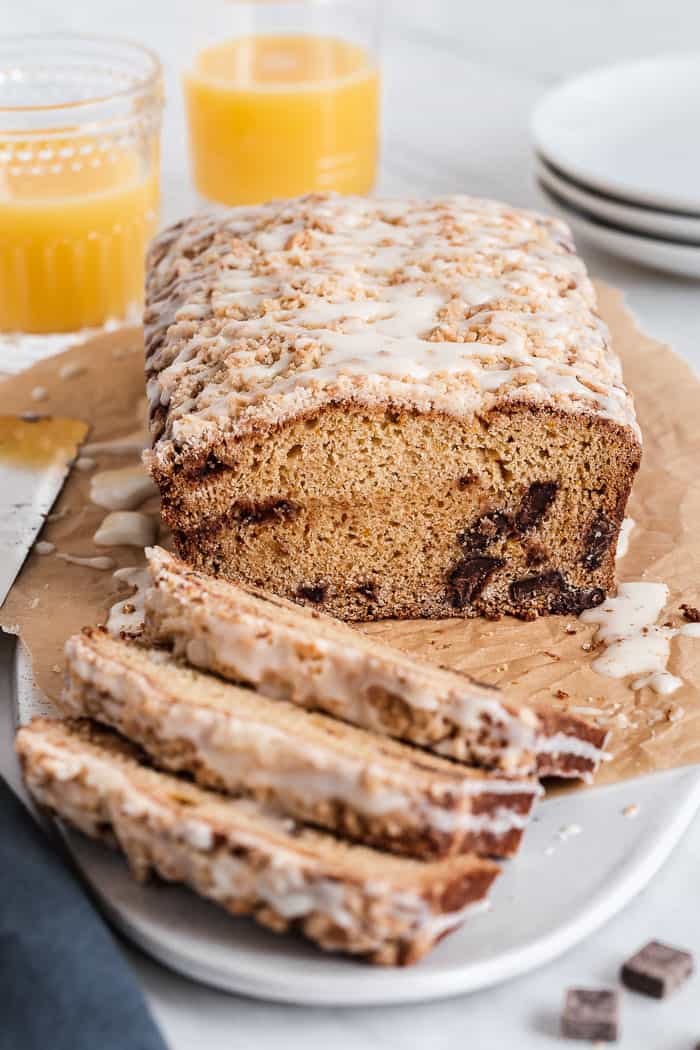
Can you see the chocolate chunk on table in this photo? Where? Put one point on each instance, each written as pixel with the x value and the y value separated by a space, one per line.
pixel 657 970
pixel 591 1013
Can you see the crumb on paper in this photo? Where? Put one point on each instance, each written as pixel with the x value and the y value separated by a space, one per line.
pixel 570 628
pixel 587 646
pixel 675 713
pixel 631 811
pixel 39 393
pixel 44 547
pixel 551 655
pixel 33 603
pixel 568 831
pixel 690 613
pixel 56 669
pixel 561 694
pixel 85 463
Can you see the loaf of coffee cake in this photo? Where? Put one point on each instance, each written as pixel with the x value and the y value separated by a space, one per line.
pixel 296 654
pixel 388 408
pixel 315 768
pixel 347 898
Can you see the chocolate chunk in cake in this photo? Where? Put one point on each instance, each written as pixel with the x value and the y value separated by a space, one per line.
pixel 535 504
pixel 597 541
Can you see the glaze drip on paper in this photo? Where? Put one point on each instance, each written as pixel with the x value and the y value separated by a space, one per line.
pixel 123 489
pixel 127 615
pixel 635 645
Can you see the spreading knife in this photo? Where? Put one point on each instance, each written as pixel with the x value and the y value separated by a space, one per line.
pixel 36 453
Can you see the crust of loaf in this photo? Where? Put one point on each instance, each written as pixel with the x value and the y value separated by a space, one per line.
pixel 303 656
pixel 389 910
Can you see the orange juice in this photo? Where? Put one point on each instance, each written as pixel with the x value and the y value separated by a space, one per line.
pixel 73 235
pixel 277 116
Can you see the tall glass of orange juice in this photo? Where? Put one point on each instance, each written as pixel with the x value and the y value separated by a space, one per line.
pixel 79 162
pixel 283 99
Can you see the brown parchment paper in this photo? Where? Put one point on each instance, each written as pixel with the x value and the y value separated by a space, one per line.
pixel 538 660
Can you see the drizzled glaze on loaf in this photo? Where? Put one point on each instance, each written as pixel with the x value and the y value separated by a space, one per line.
pixel 452 305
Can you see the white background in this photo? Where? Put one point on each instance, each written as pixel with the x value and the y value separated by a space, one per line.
pixel 460 81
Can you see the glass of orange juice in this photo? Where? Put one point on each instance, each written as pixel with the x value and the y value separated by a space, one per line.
pixel 79 164
pixel 283 99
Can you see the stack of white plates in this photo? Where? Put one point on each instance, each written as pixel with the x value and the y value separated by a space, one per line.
pixel 618 156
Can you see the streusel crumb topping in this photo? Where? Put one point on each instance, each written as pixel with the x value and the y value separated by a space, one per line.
pixel 453 305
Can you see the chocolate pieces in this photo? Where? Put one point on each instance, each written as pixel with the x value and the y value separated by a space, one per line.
pixel 592 1014
pixel 657 970
pixel 468 578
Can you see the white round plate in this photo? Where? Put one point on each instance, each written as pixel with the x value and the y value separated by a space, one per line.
pixel 582 860
pixel 630 130
pixel 664 224
pixel 670 256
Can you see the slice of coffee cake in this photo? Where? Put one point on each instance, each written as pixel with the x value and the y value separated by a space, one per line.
pixel 312 660
pixel 315 768
pixel 347 898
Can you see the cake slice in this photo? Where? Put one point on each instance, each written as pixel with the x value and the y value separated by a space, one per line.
pixel 388 408
pixel 296 654
pixel 346 898
pixel 313 767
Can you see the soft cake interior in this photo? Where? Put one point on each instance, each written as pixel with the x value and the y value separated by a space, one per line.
pixel 369 513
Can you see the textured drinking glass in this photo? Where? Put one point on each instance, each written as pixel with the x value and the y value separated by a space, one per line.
pixel 79 166
pixel 283 99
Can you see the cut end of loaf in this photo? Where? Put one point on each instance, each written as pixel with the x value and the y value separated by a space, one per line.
pixel 371 515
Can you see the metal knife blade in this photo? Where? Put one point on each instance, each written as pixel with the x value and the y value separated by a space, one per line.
pixel 36 453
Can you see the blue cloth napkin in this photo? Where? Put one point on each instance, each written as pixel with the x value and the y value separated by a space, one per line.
pixel 64 984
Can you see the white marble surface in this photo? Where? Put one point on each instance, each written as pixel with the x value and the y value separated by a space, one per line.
pixel 460 81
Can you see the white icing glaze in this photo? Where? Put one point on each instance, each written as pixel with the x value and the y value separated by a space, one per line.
pixel 128 528
pixel 123 489
pixel 624 536
pixel 455 305
pixel 241 751
pixel 126 616
pixel 437 925
pixel 130 443
pixel 101 562
pixel 634 643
